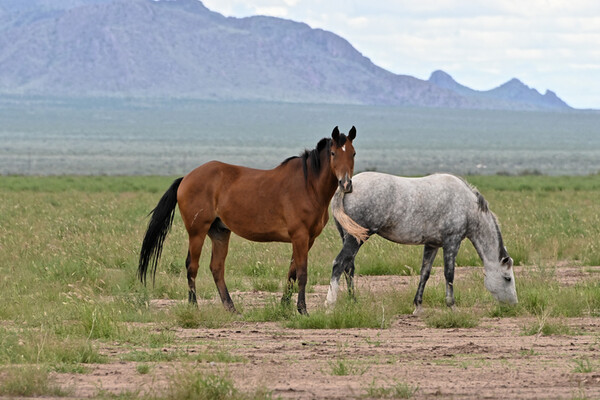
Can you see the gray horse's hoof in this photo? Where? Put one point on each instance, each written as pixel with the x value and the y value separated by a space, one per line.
pixel 418 311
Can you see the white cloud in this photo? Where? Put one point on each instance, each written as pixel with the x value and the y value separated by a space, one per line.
pixel 482 43
pixel 274 11
pixel 586 66
pixel 359 22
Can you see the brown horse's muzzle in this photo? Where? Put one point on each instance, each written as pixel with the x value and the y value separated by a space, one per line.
pixel 345 184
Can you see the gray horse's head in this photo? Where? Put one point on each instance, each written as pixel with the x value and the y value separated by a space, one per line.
pixel 500 280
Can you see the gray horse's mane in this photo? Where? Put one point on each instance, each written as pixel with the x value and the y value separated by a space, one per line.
pixel 484 208
pixel 481 201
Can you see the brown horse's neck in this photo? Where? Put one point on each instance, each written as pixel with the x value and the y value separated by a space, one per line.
pixel 323 183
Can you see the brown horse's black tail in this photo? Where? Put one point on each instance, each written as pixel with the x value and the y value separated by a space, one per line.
pixel 158 227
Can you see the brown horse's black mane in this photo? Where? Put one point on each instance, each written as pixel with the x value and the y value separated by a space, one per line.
pixel 313 157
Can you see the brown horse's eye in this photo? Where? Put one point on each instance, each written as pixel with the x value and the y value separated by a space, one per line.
pixel 332 154
pixel 354 155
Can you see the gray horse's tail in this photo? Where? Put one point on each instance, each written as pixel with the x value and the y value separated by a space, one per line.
pixel 348 224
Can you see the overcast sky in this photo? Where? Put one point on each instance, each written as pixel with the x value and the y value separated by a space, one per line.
pixel 547 44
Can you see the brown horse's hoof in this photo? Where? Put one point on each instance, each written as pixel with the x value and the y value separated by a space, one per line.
pixel 231 309
pixel 286 300
pixel 192 298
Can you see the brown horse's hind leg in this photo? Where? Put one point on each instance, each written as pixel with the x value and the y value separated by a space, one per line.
pixel 194 252
pixel 219 235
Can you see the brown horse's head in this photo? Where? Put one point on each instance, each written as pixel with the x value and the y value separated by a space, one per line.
pixel 342 158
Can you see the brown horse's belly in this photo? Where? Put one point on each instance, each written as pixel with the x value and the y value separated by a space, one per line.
pixel 255 229
pixel 266 237
pixel 260 235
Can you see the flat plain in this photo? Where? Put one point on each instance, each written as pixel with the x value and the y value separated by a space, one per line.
pixel 76 323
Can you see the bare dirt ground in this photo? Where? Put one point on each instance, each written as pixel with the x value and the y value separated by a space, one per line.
pixel 492 361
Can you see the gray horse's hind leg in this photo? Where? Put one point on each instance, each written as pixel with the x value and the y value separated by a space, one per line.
pixel 429 253
pixel 344 262
pixel 349 274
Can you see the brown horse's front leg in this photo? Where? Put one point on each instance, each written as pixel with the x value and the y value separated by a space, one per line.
pixel 289 288
pixel 300 255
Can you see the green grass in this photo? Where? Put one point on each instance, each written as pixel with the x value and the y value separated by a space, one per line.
pixel 28 381
pixel 272 310
pixel 583 366
pixel 207 316
pixel 367 311
pixel 503 310
pixel 539 292
pixel 35 346
pixel 216 355
pixel 398 390
pixel 155 356
pixel 545 184
pixel 547 328
pixel 69 249
pixel 143 369
pixel 87 184
pixel 447 319
pixel 580 395
pixel 126 395
pixel 342 317
pixel 344 367
pixel 198 385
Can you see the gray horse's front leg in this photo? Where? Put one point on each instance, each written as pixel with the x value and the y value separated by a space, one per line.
pixel 450 252
pixel 336 273
pixel 429 253
pixel 343 263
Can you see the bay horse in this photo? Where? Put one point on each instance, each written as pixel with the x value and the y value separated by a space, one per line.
pixel 437 211
pixel 286 204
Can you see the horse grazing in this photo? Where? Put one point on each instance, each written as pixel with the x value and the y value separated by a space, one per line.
pixel 286 204
pixel 435 211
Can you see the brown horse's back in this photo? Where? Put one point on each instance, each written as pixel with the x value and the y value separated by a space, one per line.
pixel 250 202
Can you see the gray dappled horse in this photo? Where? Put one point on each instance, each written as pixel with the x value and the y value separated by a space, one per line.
pixel 435 211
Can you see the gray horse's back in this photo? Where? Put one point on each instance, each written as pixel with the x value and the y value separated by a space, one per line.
pixel 411 210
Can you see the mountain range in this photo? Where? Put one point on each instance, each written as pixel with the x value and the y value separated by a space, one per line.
pixel 181 49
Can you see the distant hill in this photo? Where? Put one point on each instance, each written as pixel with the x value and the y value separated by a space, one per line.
pixel 513 93
pixel 181 49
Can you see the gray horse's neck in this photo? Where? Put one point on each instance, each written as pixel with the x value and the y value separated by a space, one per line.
pixel 485 235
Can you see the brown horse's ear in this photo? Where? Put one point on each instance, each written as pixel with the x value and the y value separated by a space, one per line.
pixel 335 135
pixel 352 133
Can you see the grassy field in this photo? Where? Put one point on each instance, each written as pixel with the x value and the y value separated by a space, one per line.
pixel 68 260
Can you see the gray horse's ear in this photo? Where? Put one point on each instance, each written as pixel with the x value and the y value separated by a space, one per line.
pixel 335 135
pixel 352 133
